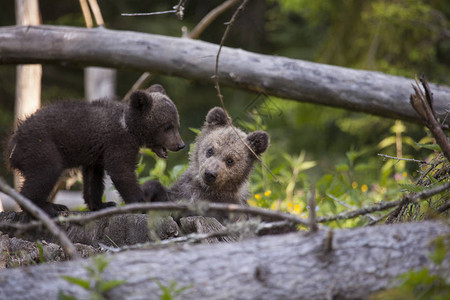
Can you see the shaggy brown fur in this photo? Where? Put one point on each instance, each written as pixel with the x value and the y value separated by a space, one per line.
pixel 97 136
pixel 220 164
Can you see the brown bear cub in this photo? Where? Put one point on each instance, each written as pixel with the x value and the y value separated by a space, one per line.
pixel 220 164
pixel 98 136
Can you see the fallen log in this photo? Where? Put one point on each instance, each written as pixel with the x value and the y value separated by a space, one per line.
pixel 344 264
pixel 357 90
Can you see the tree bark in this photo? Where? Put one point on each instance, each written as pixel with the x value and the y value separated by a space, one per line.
pixel 357 90
pixel 293 266
pixel 28 77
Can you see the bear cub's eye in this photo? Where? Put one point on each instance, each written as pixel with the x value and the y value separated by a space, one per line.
pixel 230 161
pixel 209 152
pixel 168 127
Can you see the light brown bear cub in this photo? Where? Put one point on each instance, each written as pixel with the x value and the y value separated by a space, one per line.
pixel 220 164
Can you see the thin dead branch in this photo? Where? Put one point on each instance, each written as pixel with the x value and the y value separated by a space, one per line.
pixel 146 77
pixel 86 13
pixel 40 215
pixel 412 198
pixel 423 105
pixel 210 17
pixel 143 81
pixel 401 158
pixel 217 85
pixel 96 12
pixel 312 210
pixel 198 208
pixel 178 10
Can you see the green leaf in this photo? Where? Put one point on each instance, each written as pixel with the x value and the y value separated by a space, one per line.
pixel 105 286
pixel 412 187
pixel 62 296
pixel 433 147
pixel 101 263
pixel 439 253
pixel 386 142
pixel 342 168
pixel 195 130
pixel 307 165
pixel 41 251
pixel 176 171
pixel 78 281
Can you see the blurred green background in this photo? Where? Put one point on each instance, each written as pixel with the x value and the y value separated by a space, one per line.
pixel 332 148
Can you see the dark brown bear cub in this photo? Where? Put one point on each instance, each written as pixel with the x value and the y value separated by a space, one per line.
pixel 97 136
pixel 220 164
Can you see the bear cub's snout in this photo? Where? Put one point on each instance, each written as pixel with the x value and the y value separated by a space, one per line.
pixel 209 177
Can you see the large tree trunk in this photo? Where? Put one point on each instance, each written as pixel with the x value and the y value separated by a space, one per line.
pixel 28 77
pixel 371 92
pixel 293 266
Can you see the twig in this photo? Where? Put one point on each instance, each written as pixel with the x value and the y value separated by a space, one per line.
pixel 196 237
pixel 219 93
pixel 312 210
pixel 210 17
pixel 199 208
pixel 444 207
pixel 371 217
pixel 222 41
pixel 149 14
pixel 86 13
pixel 401 158
pixel 432 166
pixel 423 105
pixel 386 205
pixel 178 10
pixel 39 214
pixel 375 221
pixel 97 12
pixel 143 81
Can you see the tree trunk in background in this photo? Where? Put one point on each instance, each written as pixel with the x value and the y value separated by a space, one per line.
pixel 101 83
pixel 28 77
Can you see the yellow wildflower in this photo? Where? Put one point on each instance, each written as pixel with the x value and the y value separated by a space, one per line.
pixel 364 188
pixel 354 184
pixel 290 206
pixel 267 193
pixel 258 196
pixel 297 208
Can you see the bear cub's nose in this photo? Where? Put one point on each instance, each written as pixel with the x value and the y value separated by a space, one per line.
pixel 180 146
pixel 209 176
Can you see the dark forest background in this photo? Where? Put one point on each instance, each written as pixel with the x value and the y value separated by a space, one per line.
pixel 332 148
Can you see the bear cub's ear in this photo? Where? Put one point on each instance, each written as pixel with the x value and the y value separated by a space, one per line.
pixel 141 101
pixel 216 117
pixel 156 88
pixel 258 141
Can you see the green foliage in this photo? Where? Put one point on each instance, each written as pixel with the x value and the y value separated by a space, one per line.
pixel 398 37
pixel 159 171
pixel 360 179
pixel 95 284
pixel 171 291
pixel 41 251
